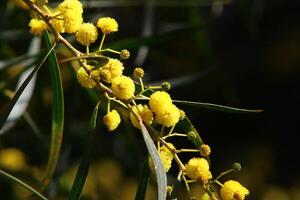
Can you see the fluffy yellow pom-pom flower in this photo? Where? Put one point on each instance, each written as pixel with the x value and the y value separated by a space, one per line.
pixel 166 157
pixel 159 100
pixel 198 169
pixel 123 87
pixel 12 159
pixel 144 112
pixel 86 80
pixel 233 190
pixel 87 34
pixel 37 26
pixel 107 25
pixel 72 15
pixel 115 67
pixel 112 120
pixel 168 116
pixel 58 23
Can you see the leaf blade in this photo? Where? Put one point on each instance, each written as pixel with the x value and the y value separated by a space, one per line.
pixel 57 113
pixel 158 166
pixel 83 168
pixel 217 107
pixel 143 183
pixel 22 87
pixel 23 184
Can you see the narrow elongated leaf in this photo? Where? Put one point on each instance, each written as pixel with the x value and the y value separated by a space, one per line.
pixel 18 181
pixel 57 112
pixel 15 98
pixel 143 183
pixel 24 99
pixel 218 107
pixel 83 169
pixel 158 166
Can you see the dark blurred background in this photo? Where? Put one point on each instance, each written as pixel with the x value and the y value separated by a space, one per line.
pixel 238 53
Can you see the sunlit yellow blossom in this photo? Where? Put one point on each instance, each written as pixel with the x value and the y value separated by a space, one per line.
pixel 159 100
pixel 115 67
pixel 12 159
pixel 86 80
pixel 168 115
pixel 144 112
pixel 233 190
pixel 112 120
pixel 72 14
pixel 198 169
pixel 123 87
pixel 107 25
pixel 37 26
pixel 87 34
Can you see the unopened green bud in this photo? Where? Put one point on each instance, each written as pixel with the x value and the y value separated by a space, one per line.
pixel 237 166
pixel 166 86
pixel 192 135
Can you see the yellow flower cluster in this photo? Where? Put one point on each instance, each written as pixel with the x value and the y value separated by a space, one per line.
pixel 114 67
pixel 107 25
pixel 87 34
pixel 12 159
pixel 71 13
pixel 198 169
pixel 86 80
pixel 112 120
pixel 233 190
pixel 144 112
pixel 166 113
pixel 37 26
pixel 123 87
pixel 166 157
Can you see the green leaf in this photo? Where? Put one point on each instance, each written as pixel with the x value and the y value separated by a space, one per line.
pixel 161 177
pixel 83 169
pixel 17 95
pixel 98 61
pixel 57 113
pixel 217 107
pixel 18 181
pixel 143 183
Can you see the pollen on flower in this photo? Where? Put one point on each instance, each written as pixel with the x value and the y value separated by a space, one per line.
pixel 159 100
pixel 72 14
pixel 123 87
pixel 144 112
pixel 86 80
pixel 107 25
pixel 37 26
pixel 168 116
pixel 112 120
pixel 233 189
pixel 87 34
pixel 115 67
pixel 198 169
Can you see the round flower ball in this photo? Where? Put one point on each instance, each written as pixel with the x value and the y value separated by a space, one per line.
pixel 123 87
pixel 87 34
pixel 107 25
pixel 159 100
pixel 233 190
pixel 198 169
pixel 144 112
pixel 112 120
